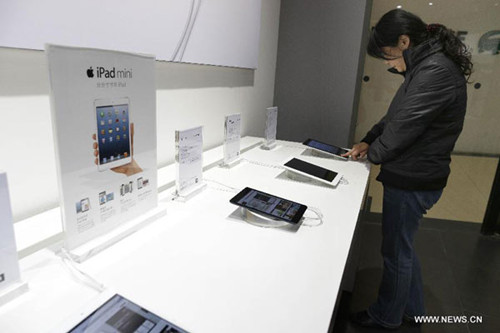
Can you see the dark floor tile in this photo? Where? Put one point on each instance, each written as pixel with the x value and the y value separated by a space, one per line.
pixel 466 249
pixel 448 225
pixel 479 289
pixel 353 328
pixel 365 288
pixel 440 291
pixel 431 223
pixel 488 324
pixel 444 328
pixel 429 244
pixel 371 217
pixel 345 326
pixel 441 294
pixel 371 241
pixel 460 270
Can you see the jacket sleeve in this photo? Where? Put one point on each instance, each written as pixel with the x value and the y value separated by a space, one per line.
pixel 432 89
pixel 375 132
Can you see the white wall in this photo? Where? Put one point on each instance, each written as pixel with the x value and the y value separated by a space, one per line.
pixel 187 95
pixel 206 30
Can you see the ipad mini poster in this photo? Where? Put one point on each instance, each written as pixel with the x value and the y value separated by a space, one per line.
pixel 9 265
pixel 104 119
pixel 232 137
pixel 189 158
pixel 271 125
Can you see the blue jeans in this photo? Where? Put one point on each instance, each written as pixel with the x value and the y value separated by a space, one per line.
pixel 401 289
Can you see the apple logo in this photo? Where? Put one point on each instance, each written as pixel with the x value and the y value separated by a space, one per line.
pixel 90 72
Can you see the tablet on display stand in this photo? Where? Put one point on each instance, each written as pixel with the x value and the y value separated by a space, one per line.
pixel 111 312
pixel 303 171
pixel 268 210
pixel 324 150
pixel 261 220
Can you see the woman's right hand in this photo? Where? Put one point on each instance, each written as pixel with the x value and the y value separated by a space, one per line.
pixel 359 150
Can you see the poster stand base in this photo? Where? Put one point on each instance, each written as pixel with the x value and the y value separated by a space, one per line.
pixel 13 291
pixel 271 146
pixel 89 249
pixel 230 164
pixel 187 195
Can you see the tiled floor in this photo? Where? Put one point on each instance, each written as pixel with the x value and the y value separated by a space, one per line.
pixel 461 272
pixel 466 195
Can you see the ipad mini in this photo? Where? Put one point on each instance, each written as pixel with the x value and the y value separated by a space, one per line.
pixel 115 313
pixel 269 205
pixel 113 132
pixel 326 148
pixel 313 171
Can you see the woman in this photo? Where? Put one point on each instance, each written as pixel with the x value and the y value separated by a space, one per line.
pixel 413 143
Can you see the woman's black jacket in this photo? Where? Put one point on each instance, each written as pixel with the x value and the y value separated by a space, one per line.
pixel 414 140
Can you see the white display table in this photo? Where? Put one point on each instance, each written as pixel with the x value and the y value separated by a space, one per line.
pixel 205 269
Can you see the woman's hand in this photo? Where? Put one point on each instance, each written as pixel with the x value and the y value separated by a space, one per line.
pixel 359 150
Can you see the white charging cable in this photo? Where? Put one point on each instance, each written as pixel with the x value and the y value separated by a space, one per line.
pixel 81 276
pixel 227 187
pixel 319 217
pixel 272 166
pixel 186 27
pixel 190 29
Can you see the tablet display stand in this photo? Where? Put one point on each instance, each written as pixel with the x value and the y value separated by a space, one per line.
pixel 298 177
pixel 261 220
pixel 232 164
pixel 13 291
pixel 290 175
pixel 192 192
pixel 269 146
pixel 100 243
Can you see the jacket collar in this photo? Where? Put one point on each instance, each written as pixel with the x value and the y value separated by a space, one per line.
pixel 413 56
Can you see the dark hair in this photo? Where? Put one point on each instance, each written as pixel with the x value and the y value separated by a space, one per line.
pixel 399 22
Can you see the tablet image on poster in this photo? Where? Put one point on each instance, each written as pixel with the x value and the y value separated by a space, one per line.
pixel 104 119
pixel 113 132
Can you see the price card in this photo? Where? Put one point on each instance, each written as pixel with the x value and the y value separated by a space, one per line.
pixel 232 138
pixel 271 125
pixel 189 159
